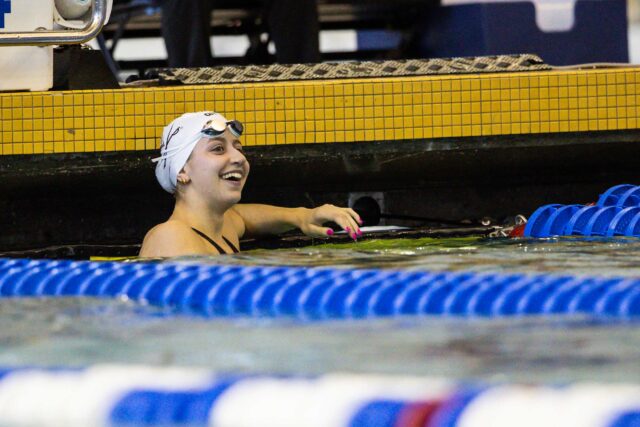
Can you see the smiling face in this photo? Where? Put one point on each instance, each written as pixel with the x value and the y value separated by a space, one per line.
pixel 217 169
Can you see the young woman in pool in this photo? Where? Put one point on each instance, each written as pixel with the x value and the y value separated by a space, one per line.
pixel 202 164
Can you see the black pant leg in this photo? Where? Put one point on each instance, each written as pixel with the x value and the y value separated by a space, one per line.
pixel 186 28
pixel 294 28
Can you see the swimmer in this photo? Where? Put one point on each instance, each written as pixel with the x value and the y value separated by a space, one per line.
pixel 203 165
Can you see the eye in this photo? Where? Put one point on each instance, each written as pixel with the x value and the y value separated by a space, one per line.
pixel 239 148
pixel 218 148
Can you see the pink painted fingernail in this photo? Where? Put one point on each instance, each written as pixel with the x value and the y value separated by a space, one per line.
pixel 360 233
pixel 360 222
pixel 329 232
pixel 348 230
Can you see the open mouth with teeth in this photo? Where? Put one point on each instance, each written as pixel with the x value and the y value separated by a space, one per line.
pixel 232 176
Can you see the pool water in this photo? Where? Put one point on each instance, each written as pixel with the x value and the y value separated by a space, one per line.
pixel 81 331
pixel 84 331
pixel 562 255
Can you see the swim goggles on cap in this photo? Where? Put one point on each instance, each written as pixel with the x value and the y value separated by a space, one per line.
pixel 215 128
pixel 211 129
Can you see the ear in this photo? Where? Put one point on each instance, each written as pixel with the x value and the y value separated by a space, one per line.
pixel 183 178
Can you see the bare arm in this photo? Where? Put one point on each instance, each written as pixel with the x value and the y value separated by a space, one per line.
pixel 265 219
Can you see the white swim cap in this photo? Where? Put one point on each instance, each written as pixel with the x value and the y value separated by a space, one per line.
pixel 178 140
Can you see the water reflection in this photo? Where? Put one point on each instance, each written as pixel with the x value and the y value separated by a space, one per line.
pixel 561 255
pixel 79 332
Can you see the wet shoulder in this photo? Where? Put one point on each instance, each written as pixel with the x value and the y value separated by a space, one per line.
pixel 171 238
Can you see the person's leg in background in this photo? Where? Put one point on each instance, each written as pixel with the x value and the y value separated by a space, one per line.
pixel 186 28
pixel 294 28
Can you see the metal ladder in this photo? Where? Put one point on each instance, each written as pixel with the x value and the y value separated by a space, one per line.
pixel 59 37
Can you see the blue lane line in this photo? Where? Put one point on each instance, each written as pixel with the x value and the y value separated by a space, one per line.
pixel 5 7
pixel 318 293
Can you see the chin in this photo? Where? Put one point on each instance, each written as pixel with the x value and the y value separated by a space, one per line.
pixel 233 200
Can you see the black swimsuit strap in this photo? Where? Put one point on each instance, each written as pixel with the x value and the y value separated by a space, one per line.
pixel 215 245
pixel 231 245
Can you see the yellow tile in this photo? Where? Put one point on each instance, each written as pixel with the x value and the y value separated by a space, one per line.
pixel 630 77
pixel 583 103
pixel 151 133
pixel 628 100
pixel 628 111
pixel 260 116
pixel 534 116
pixel 545 116
pixel 622 123
pixel 84 146
pixel 20 148
pixel 582 79
pixel 6 126
pixel 330 137
pixel 47 148
pixel 349 113
pixel 109 145
pixel 602 124
pixel 427 121
pixel 535 127
pixel 540 127
pixel 59 135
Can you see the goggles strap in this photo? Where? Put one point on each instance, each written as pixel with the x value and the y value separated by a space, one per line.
pixel 168 153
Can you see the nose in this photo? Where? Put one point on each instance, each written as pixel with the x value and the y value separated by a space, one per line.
pixel 237 157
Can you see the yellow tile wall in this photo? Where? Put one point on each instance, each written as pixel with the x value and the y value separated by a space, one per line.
pixel 331 111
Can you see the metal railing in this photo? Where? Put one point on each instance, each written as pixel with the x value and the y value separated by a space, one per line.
pixel 58 37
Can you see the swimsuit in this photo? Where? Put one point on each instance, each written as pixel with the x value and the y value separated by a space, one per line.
pixel 215 245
